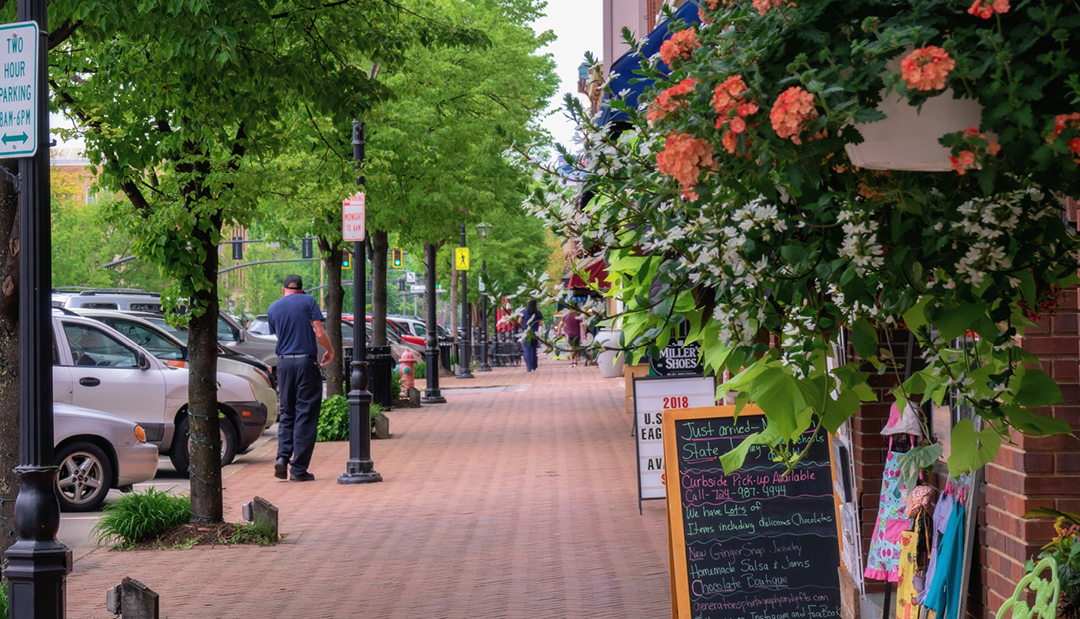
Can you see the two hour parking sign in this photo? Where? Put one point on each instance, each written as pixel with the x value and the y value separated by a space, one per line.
pixel 18 90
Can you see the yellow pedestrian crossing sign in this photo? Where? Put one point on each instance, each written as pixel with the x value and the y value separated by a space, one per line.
pixel 461 258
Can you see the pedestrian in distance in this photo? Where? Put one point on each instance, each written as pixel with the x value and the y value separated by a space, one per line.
pixel 531 320
pixel 571 327
pixel 297 321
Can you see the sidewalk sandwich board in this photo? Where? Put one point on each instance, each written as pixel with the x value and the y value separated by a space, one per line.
pixel 756 544
pixel 653 396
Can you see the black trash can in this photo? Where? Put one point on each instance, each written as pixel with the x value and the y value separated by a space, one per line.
pixel 444 354
pixel 380 368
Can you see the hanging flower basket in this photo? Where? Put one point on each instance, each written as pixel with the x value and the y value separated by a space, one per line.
pixel 907 139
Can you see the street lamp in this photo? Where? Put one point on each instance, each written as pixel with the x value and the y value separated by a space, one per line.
pixel 484 229
pixel 465 357
pixel 359 469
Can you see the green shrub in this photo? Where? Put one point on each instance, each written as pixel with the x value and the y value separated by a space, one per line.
pixel 3 598
pixel 420 369
pixel 334 419
pixel 138 516
pixel 253 533
pixel 395 383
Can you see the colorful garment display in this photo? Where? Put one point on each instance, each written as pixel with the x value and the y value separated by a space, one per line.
pixel 882 562
pixel 943 592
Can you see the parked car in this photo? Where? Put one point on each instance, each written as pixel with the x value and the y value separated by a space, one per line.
pixel 231 336
pixel 166 346
pixel 396 333
pixel 127 299
pixel 97 452
pixel 96 367
pixel 260 326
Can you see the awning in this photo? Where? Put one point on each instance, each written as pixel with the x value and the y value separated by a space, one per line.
pixel 596 272
pixel 630 62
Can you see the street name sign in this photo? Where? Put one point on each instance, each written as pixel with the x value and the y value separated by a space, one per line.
pixel 417 288
pixel 352 218
pixel 18 90
pixel 461 258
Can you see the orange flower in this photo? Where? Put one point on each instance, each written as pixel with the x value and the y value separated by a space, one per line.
pixel 671 99
pixel 993 148
pixel 729 141
pixel 683 158
pixel 1074 145
pixel 747 109
pixel 986 8
pixel 926 68
pixel 967 158
pixel 763 6
pixel 793 108
pixel 955 163
pixel 725 96
pixel 680 45
pixel 738 125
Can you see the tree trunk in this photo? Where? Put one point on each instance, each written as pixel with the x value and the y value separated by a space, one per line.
pixel 9 358
pixel 379 246
pixel 206 491
pixel 335 295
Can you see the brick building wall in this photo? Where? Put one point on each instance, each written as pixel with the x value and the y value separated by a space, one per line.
pixel 1031 473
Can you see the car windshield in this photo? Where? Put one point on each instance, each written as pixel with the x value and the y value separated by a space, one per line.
pixel 179 333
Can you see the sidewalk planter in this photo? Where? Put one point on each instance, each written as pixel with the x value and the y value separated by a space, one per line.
pixel 908 138
pixel 611 360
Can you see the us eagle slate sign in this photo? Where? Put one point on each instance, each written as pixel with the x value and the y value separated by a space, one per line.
pixel 755 544
pixel 678 358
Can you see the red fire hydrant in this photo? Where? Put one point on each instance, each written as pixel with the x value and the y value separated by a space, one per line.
pixel 408 370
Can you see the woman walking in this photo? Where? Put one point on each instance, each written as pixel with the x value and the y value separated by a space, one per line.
pixel 531 321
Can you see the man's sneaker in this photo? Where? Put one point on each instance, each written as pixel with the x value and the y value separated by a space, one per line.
pixel 281 468
pixel 302 477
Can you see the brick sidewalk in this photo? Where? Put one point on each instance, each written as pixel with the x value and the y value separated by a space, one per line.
pixel 515 504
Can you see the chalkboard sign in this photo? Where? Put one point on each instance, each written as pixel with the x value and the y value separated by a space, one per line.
pixel 755 544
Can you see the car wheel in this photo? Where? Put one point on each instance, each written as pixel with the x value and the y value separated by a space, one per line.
pixel 181 451
pixel 84 479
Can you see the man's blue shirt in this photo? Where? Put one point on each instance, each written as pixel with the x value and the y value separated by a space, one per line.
pixel 290 318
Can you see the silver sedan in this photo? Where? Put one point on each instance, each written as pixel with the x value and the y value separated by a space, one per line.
pixel 97 452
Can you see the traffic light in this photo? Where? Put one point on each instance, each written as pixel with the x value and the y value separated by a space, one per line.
pixel 397 258
pixel 237 249
pixel 306 251
pixel 346 259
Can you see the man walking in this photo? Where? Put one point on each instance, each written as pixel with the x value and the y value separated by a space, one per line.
pixel 297 321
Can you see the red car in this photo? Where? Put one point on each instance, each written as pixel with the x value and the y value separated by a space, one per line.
pixel 414 342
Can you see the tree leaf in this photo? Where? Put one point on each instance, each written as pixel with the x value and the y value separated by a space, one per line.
pixel 864 337
pixel 1036 388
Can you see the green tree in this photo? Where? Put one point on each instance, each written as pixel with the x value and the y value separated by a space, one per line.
pixel 182 103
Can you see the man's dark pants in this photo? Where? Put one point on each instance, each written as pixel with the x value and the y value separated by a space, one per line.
pixel 300 391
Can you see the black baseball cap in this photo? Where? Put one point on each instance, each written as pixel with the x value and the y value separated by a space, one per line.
pixel 293 282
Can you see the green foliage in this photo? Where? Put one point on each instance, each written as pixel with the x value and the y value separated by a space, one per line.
pixel 1064 550
pixel 4 602
pixel 395 383
pixel 253 533
pixel 420 369
pixel 724 208
pixel 139 516
pixel 334 419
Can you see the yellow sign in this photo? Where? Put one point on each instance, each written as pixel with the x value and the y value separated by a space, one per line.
pixel 461 258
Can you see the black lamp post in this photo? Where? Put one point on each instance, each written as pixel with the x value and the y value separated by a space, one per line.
pixel 359 469
pixel 37 564
pixel 484 229
pixel 431 392
pixel 465 362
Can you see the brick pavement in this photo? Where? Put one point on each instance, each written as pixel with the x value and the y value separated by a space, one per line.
pixel 517 504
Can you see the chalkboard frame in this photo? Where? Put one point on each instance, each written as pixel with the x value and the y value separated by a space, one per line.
pixel 680 582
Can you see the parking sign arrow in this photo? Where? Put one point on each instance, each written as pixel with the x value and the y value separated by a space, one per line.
pixel 22 137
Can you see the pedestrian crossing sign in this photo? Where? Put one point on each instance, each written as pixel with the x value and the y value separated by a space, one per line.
pixel 461 258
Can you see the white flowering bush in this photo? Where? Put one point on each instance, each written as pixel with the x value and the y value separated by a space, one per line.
pixel 768 274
